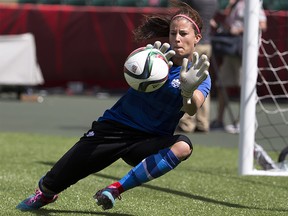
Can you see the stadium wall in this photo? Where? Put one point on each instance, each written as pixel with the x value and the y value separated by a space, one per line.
pixel 90 44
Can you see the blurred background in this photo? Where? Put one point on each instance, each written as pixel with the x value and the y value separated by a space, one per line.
pixel 81 45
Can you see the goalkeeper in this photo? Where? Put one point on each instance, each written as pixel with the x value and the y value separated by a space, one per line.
pixel 139 128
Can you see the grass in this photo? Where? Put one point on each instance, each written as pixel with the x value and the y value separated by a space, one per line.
pixel 205 184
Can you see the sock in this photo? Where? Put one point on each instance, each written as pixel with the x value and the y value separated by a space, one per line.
pixel 46 192
pixel 150 168
pixel 118 186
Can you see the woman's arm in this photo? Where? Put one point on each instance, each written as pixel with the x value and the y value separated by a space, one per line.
pixel 195 103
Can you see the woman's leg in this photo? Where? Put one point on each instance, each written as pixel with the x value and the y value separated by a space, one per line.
pixel 153 166
pixel 93 152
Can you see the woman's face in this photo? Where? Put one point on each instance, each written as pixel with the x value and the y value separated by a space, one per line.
pixel 182 39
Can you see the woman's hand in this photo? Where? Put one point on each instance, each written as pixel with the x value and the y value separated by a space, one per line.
pixel 192 78
pixel 163 49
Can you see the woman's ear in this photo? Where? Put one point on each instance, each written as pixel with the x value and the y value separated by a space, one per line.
pixel 198 37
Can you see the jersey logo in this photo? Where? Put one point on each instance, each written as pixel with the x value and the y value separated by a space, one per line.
pixel 175 83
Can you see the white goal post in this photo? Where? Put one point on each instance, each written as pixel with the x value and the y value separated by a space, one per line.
pixel 248 93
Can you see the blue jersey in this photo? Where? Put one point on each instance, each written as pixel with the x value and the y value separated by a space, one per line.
pixel 156 112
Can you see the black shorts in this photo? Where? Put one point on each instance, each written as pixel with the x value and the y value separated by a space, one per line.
pixel 102 145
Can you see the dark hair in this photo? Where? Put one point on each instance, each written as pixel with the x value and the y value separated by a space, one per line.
pixel 159 26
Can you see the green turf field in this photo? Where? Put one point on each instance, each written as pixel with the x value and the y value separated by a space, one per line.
pixel 33 136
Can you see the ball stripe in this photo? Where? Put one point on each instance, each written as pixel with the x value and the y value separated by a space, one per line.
pixel 155 84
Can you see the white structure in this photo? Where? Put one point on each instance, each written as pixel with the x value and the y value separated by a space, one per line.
pixel 18 62
pixel 248 93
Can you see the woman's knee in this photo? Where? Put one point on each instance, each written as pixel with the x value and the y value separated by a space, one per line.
pixel 182 150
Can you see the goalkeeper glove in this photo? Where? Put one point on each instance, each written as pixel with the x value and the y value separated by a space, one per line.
pixel 163 49
pixel 198 72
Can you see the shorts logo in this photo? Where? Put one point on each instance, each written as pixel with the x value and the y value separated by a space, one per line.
pixel 90 134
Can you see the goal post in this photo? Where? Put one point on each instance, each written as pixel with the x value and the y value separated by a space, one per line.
pixel 248 87
pixel 249 97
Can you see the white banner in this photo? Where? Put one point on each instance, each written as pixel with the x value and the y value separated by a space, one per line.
pixel 18 61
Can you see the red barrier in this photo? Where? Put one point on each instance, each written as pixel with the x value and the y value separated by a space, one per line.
pixel 86 44
pixel 89 44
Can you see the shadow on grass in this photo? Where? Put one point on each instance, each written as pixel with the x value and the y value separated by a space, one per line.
pixel 47 212
pixel 187 195
pixel 216 172
pixel 196 197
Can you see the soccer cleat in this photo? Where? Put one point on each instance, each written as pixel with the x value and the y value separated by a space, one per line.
pixel 106 197
pixel 35 201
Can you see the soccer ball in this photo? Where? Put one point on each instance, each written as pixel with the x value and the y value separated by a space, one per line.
pixel 146 69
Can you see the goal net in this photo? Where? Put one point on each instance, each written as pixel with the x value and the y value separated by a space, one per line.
pixel 264 104
pixel 271 108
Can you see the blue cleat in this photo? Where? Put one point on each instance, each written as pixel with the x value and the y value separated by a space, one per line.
pixel 35 201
